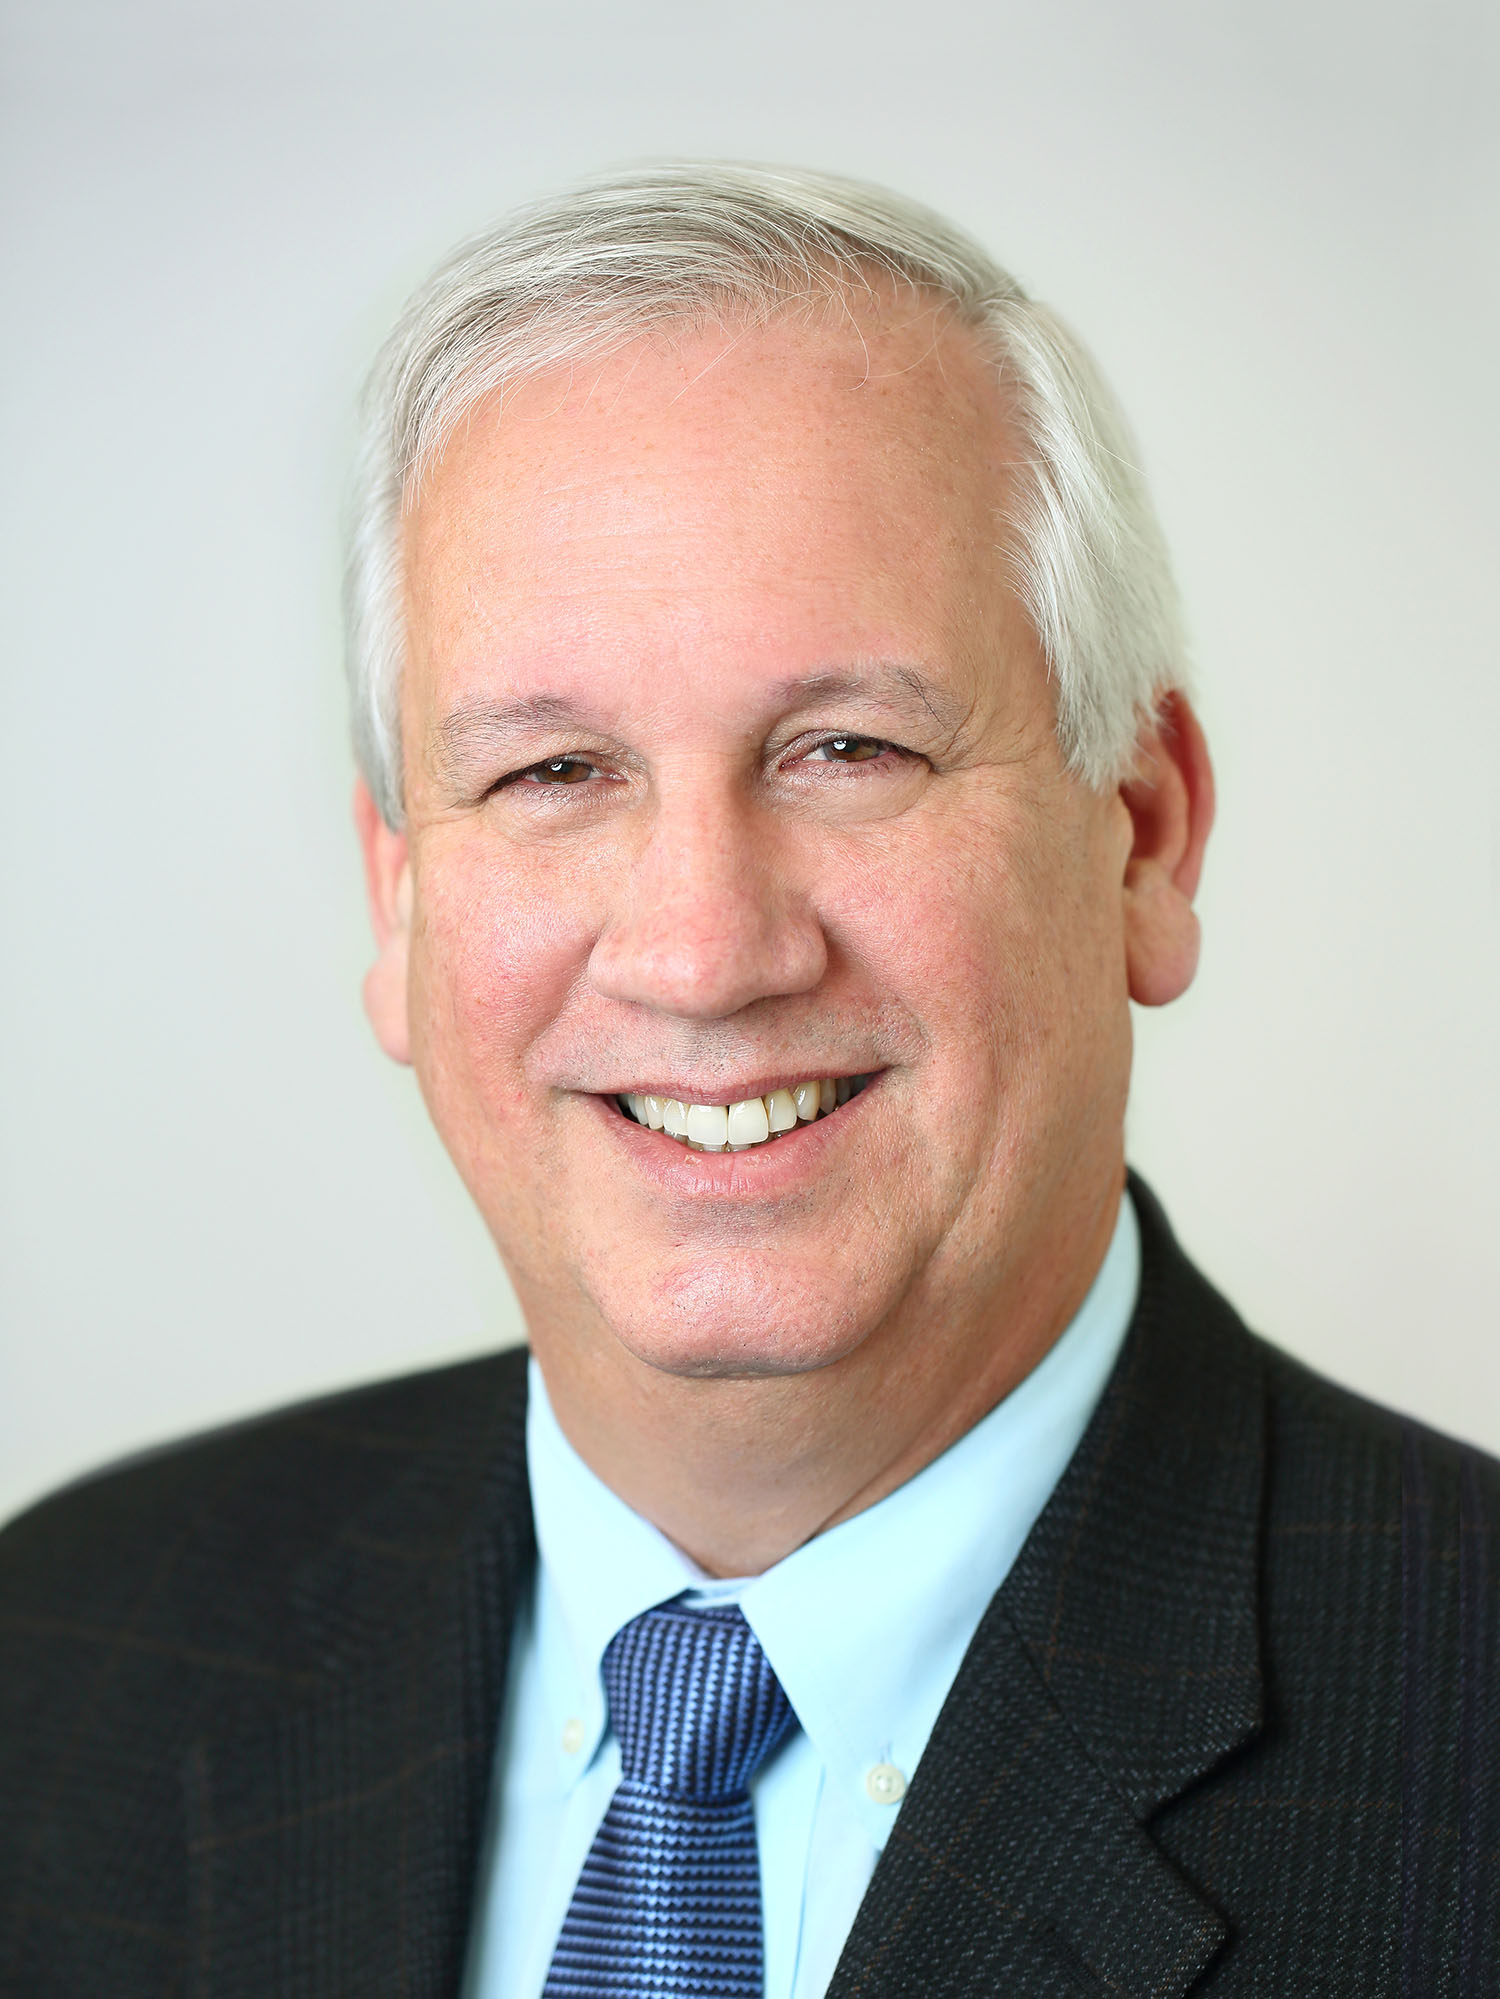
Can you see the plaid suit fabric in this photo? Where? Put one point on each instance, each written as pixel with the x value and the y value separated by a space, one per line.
pixel 1231 1727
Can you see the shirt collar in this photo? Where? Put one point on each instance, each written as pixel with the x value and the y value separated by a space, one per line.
pixel 601 1566
pixel 865 1625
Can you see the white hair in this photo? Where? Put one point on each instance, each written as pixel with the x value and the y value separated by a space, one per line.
pixel 590 270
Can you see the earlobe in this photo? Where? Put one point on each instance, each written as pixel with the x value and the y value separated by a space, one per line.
pixel 388 887
pixel 1161 936
pixel 1170 800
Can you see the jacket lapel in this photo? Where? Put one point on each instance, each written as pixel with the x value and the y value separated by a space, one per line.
pixel 335 1840
pixel 1118 1664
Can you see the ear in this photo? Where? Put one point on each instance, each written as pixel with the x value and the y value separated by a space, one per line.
pixel 388 886
pixel 1170 800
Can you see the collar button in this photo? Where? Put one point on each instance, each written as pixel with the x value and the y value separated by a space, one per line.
pixel 885 1784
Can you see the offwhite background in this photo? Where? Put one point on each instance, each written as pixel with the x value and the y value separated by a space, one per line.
pixel 1274 219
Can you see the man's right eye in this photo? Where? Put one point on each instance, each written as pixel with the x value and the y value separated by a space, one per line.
pixel 556 770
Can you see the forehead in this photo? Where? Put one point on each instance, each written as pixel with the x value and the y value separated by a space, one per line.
pixel 772 491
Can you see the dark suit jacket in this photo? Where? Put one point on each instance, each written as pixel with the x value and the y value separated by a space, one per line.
pixel 1229 1727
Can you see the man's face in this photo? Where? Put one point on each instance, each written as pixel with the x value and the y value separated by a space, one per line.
pixel 730 768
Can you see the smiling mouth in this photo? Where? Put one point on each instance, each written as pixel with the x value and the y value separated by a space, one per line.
pixel 743 1126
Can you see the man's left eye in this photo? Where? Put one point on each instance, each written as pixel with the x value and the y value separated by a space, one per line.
pixel 559 770
pixel 850 749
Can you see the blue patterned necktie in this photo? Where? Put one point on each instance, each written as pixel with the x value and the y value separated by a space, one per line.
pixel 668 1902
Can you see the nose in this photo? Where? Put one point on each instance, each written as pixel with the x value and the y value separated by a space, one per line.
pixel 708 919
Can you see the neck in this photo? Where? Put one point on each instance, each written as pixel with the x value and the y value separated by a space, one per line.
pixel 740 1472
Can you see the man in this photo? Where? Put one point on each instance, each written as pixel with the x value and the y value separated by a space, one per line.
pixel 895 1570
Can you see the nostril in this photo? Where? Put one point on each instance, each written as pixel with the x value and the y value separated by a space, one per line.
pixel 708 956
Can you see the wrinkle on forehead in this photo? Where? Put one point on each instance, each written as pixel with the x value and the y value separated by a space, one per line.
pixel 894 327
pixel 863 359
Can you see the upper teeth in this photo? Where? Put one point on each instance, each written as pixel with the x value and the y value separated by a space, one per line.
pixel 752 1121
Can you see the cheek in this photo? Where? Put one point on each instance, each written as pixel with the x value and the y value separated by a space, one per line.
pixel 999 935
pixel 496 948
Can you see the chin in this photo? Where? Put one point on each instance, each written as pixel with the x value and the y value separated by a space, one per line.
pixel 740 1317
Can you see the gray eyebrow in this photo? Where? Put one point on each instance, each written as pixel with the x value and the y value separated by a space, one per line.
pixel 900 686
pixel 479 730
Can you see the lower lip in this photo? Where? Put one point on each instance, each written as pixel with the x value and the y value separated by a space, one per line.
pixel 759 1171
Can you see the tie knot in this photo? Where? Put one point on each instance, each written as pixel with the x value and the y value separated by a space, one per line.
pixel 693 1700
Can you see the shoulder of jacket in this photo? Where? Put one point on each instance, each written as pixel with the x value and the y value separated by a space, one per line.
pixel 1322 1412
pixel 253 1495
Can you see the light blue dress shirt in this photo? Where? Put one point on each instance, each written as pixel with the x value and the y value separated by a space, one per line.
pixel 865 1626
